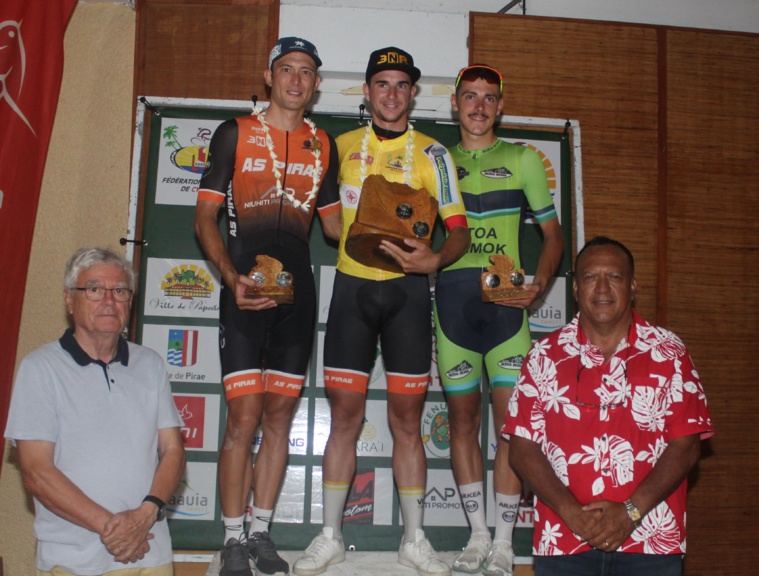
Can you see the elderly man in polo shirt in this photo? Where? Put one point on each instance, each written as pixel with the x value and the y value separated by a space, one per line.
pixel 97 433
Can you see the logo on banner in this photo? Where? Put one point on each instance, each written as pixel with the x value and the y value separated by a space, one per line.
pixel 446 498
pixel 182 348
pixel 367 442
pixel 436 430
pixel 378 372
pixel 188 283
pixel 548 165
pixel 359 506
pixel 195 497
pixel 12 74
pixel 192 410
pixel 191 158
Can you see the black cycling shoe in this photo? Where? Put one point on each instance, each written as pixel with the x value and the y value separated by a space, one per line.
pixel 234 559
pixel 263 553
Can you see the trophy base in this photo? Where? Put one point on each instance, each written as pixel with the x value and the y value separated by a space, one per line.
pixel 504 294
pixel 363 246
pixel 271 281
pixel 280 296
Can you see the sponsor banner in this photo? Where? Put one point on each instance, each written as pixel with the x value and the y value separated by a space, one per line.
pixel 326 281
pixel 436 384
pixel 319 358
pixel 492 438
pixel 182 157
pixel 436 430
pixel 525 515
pixel 298 439
pixel 375 439
pixel 200 414
pixel 321 425
pixel 550 153
pixel 191 352
pixel 370 495
pixel 442 503
pixel 187 288
pixel 195 498
pixel 290 502
pixel 359 505
pixel 550 312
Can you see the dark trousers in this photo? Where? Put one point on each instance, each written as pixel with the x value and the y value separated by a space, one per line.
pixel 597 563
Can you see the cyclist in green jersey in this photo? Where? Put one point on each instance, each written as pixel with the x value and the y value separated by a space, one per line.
pixel 498 181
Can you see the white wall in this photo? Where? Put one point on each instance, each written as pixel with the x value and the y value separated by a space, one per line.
pixel 435 32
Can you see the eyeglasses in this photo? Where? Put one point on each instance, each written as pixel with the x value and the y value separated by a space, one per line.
pixel 97 293
pixel 480 72
pixel 589 387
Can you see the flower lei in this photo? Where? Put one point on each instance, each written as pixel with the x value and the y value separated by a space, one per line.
pixel 407 161
pixel 315 150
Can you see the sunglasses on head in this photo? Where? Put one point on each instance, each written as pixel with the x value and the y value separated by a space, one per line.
pixel 480 72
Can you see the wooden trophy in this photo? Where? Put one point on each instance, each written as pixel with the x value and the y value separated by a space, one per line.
pixel 389 211
pixel 501 281
pixel 272 282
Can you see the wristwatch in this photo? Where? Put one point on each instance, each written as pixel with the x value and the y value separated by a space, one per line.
pixel 161 514
pixel 633 512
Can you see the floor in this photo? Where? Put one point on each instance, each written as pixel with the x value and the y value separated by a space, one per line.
pixel 356 564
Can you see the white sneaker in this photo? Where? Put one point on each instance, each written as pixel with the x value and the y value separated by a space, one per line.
pixel 324 551
pixel 422 556
pixel 472 558
pixel 500 561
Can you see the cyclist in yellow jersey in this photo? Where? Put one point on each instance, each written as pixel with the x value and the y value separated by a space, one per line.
pixel 368 303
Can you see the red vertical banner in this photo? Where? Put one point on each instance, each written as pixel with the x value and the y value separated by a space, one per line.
pixel 31 67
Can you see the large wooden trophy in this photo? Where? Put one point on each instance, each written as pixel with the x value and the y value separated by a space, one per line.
pixel 271 281
pixel 389 211
pixel 501 281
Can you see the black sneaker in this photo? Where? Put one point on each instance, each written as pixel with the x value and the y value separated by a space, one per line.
pixel 263 553
pixel 234 559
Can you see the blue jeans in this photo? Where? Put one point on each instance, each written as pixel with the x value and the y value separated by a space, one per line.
pixel 597 563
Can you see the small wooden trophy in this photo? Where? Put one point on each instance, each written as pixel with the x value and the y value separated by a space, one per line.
pixel 501 281
pixel 389 211
pixel 272 282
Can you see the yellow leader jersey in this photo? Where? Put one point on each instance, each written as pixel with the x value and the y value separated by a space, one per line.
pixel 432 168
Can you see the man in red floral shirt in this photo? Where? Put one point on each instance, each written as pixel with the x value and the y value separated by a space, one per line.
pixel 605 423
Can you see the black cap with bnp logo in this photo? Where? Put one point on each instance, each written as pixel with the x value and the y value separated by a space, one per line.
pixel 392 58
pixel 293 44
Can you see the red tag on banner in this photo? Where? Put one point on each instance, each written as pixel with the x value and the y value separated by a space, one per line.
pixel 31 67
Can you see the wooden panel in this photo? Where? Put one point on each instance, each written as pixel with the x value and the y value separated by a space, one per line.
pixel 713 276
pixel 605 76
pixel 204 48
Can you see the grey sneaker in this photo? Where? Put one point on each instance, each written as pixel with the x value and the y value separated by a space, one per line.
pixel 234 559
pixel 500 561
pixel 472 558
pixel 324 551
pixel 421 556
pixel 263 555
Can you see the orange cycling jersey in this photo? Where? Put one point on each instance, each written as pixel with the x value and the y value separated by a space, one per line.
pixel 239 155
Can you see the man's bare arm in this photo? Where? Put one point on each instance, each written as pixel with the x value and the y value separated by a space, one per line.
pixel 126 531
pixel 548 262
pixel 207 230
pixel 528 460
pixel 55 490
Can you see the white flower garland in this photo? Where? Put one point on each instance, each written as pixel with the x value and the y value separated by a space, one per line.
pixel 407 161
pixel 315 150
